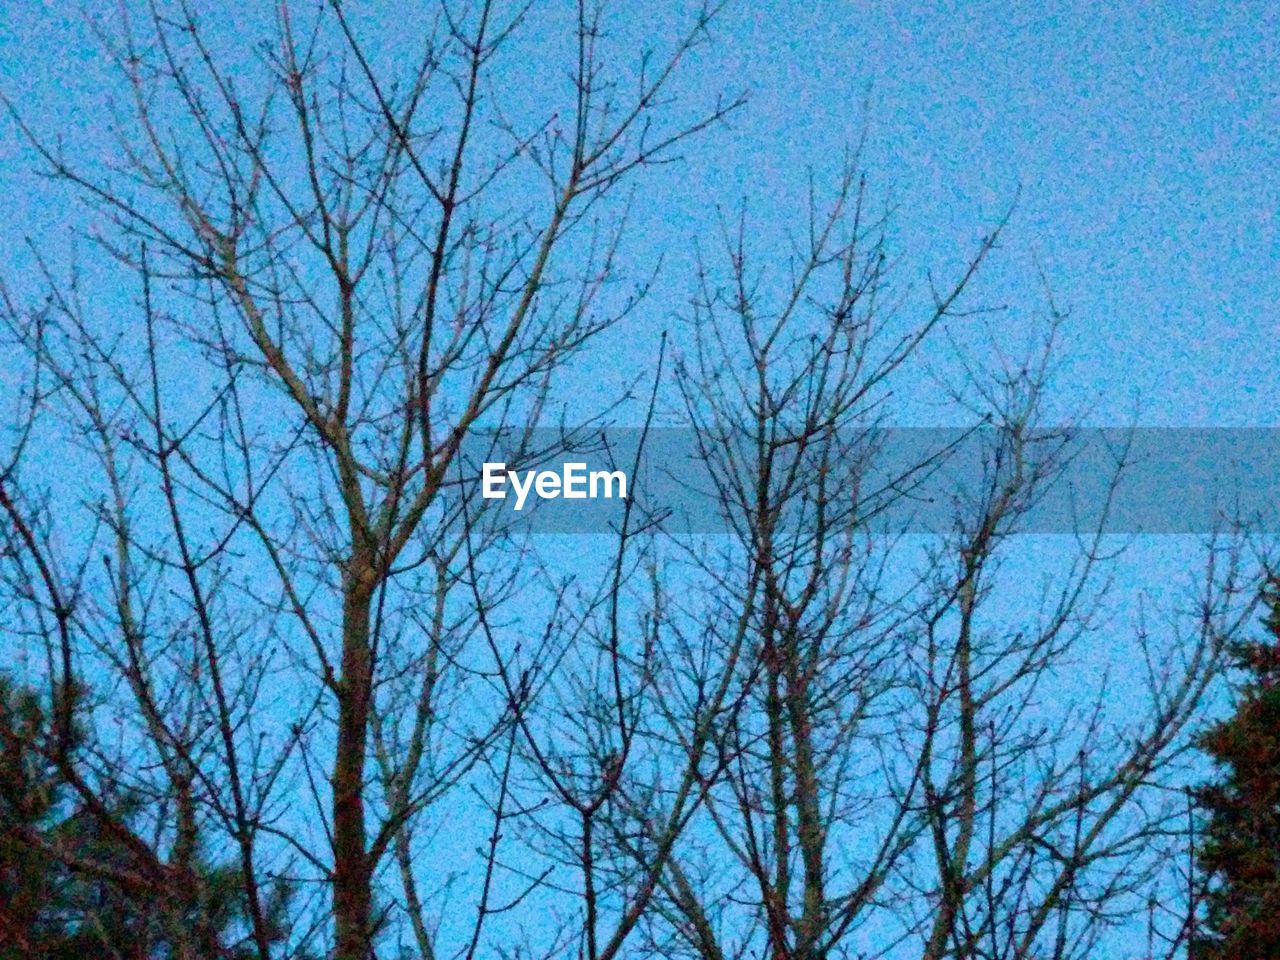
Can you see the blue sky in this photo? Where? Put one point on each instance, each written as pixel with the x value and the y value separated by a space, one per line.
pixel 1141 141
pixel 1144 138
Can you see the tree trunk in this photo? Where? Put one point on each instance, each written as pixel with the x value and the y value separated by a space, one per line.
pixel 352 898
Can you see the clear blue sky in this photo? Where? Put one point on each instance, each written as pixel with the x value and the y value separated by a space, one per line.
pixel 1145 138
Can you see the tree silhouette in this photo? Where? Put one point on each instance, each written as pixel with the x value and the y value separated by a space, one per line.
pixel 69 887
pixel 349 265
pixel 1239 857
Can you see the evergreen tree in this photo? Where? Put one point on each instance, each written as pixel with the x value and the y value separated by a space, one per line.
pixel 54 903
pixel 49 909
pixel 1239 854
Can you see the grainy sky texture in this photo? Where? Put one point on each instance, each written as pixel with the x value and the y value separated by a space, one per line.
pixel 1144 139
pixel 1134 147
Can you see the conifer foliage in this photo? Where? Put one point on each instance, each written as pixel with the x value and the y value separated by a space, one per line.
pixel 1239 854
pixel 68 887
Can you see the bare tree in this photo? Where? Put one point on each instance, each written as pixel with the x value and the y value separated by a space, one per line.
pixel 322 700
pixel 344 272
pixel 911 773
